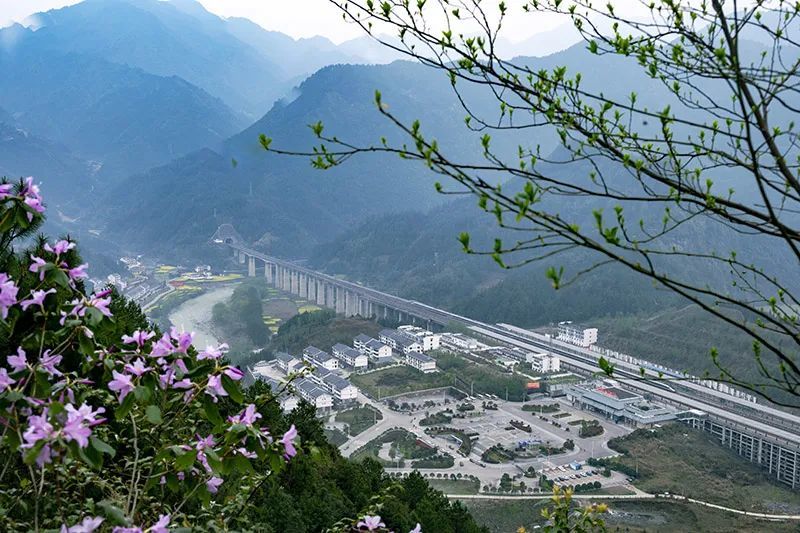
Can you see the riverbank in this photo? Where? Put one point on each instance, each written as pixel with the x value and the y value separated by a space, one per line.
pixel 196 315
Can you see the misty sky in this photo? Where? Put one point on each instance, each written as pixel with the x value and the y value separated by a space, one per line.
pixel 298 18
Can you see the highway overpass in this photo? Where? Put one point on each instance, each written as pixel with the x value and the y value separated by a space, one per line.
pixel 763 434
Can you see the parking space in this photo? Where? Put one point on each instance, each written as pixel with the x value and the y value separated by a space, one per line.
pixel 566 476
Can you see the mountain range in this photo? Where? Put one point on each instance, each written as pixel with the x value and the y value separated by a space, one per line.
pixel 142 118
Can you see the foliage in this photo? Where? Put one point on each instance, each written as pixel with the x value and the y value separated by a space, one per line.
pixel 104 420
pixel 319 328
pixel 590 429
pixel 358 419
pixel 241 316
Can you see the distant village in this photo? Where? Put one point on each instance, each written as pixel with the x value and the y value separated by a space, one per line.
pixel 324 383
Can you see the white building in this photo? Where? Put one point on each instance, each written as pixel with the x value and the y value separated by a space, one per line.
pixel 575 334
pixel 314 394
pixel 377 351
pixel 287 363
pixel 319 358
pixel 340 388
pixel 350 356
pixel 400 341
pixel 428 339
pixel 545 363
pixel 421 362
pixel 360 342
pixel 460 342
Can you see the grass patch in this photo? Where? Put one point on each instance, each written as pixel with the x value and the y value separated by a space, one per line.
pixel 359 419
pixel 335 436
pixel 503 516
pixel 534 408
pixel 561 415
pixel 455 486
pixel 404 445
pixel 684 461
pixel 398 380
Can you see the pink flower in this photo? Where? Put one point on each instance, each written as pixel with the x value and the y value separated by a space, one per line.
pixel 78 272
pixel 417 529
pixel 39 428
pixel 87 526
pixel 184 339
pixel 214 387
pixel 161 525
pixel 139 337
pixel 213 353
pixel 246 453
pixel 49 362
pixel 38 266
pixel 18 362
pixel 247 417
pixel 137 368
pixel 37 298
pixel 101 304
pixel 60 247
pixel 8 295
pixel 213 484
pixel 5 380
pixel 5 190
pixel 185 383
pixel 32 198
pixel 371 523
pixel 120 529
pixel 162 347
pixel 121 383
pixel 79 423
pixel 233 373
pixel 288 442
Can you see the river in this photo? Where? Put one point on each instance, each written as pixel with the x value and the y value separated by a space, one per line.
pixel 195 315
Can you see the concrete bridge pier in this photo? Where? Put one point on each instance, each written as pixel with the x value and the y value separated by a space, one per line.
pixel 320 292
pixel 302 290
pixel 340 299
pixel 330 296
pixel 269 273
pixel 251 266
pixel 241 257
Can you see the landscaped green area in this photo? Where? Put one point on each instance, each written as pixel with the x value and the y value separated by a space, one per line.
pixel 442 460
pixel 358 419
pixel 395 447
pixel 456 371
pixel 591 428
pixel 457 435
pixel 335 436
pixel 680 460
pixel 438 419
pixel 541 408
pixel 484 378
pixel 455 486
pixel 398 380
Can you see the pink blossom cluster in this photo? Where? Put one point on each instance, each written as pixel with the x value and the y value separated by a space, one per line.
pixel 28 194
pixel 374 523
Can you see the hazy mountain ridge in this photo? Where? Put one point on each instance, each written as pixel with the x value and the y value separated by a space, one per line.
pixel 124 118
pixel 283 196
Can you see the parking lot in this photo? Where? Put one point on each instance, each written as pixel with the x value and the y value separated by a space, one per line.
pixel 493 428
pixel 565 476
